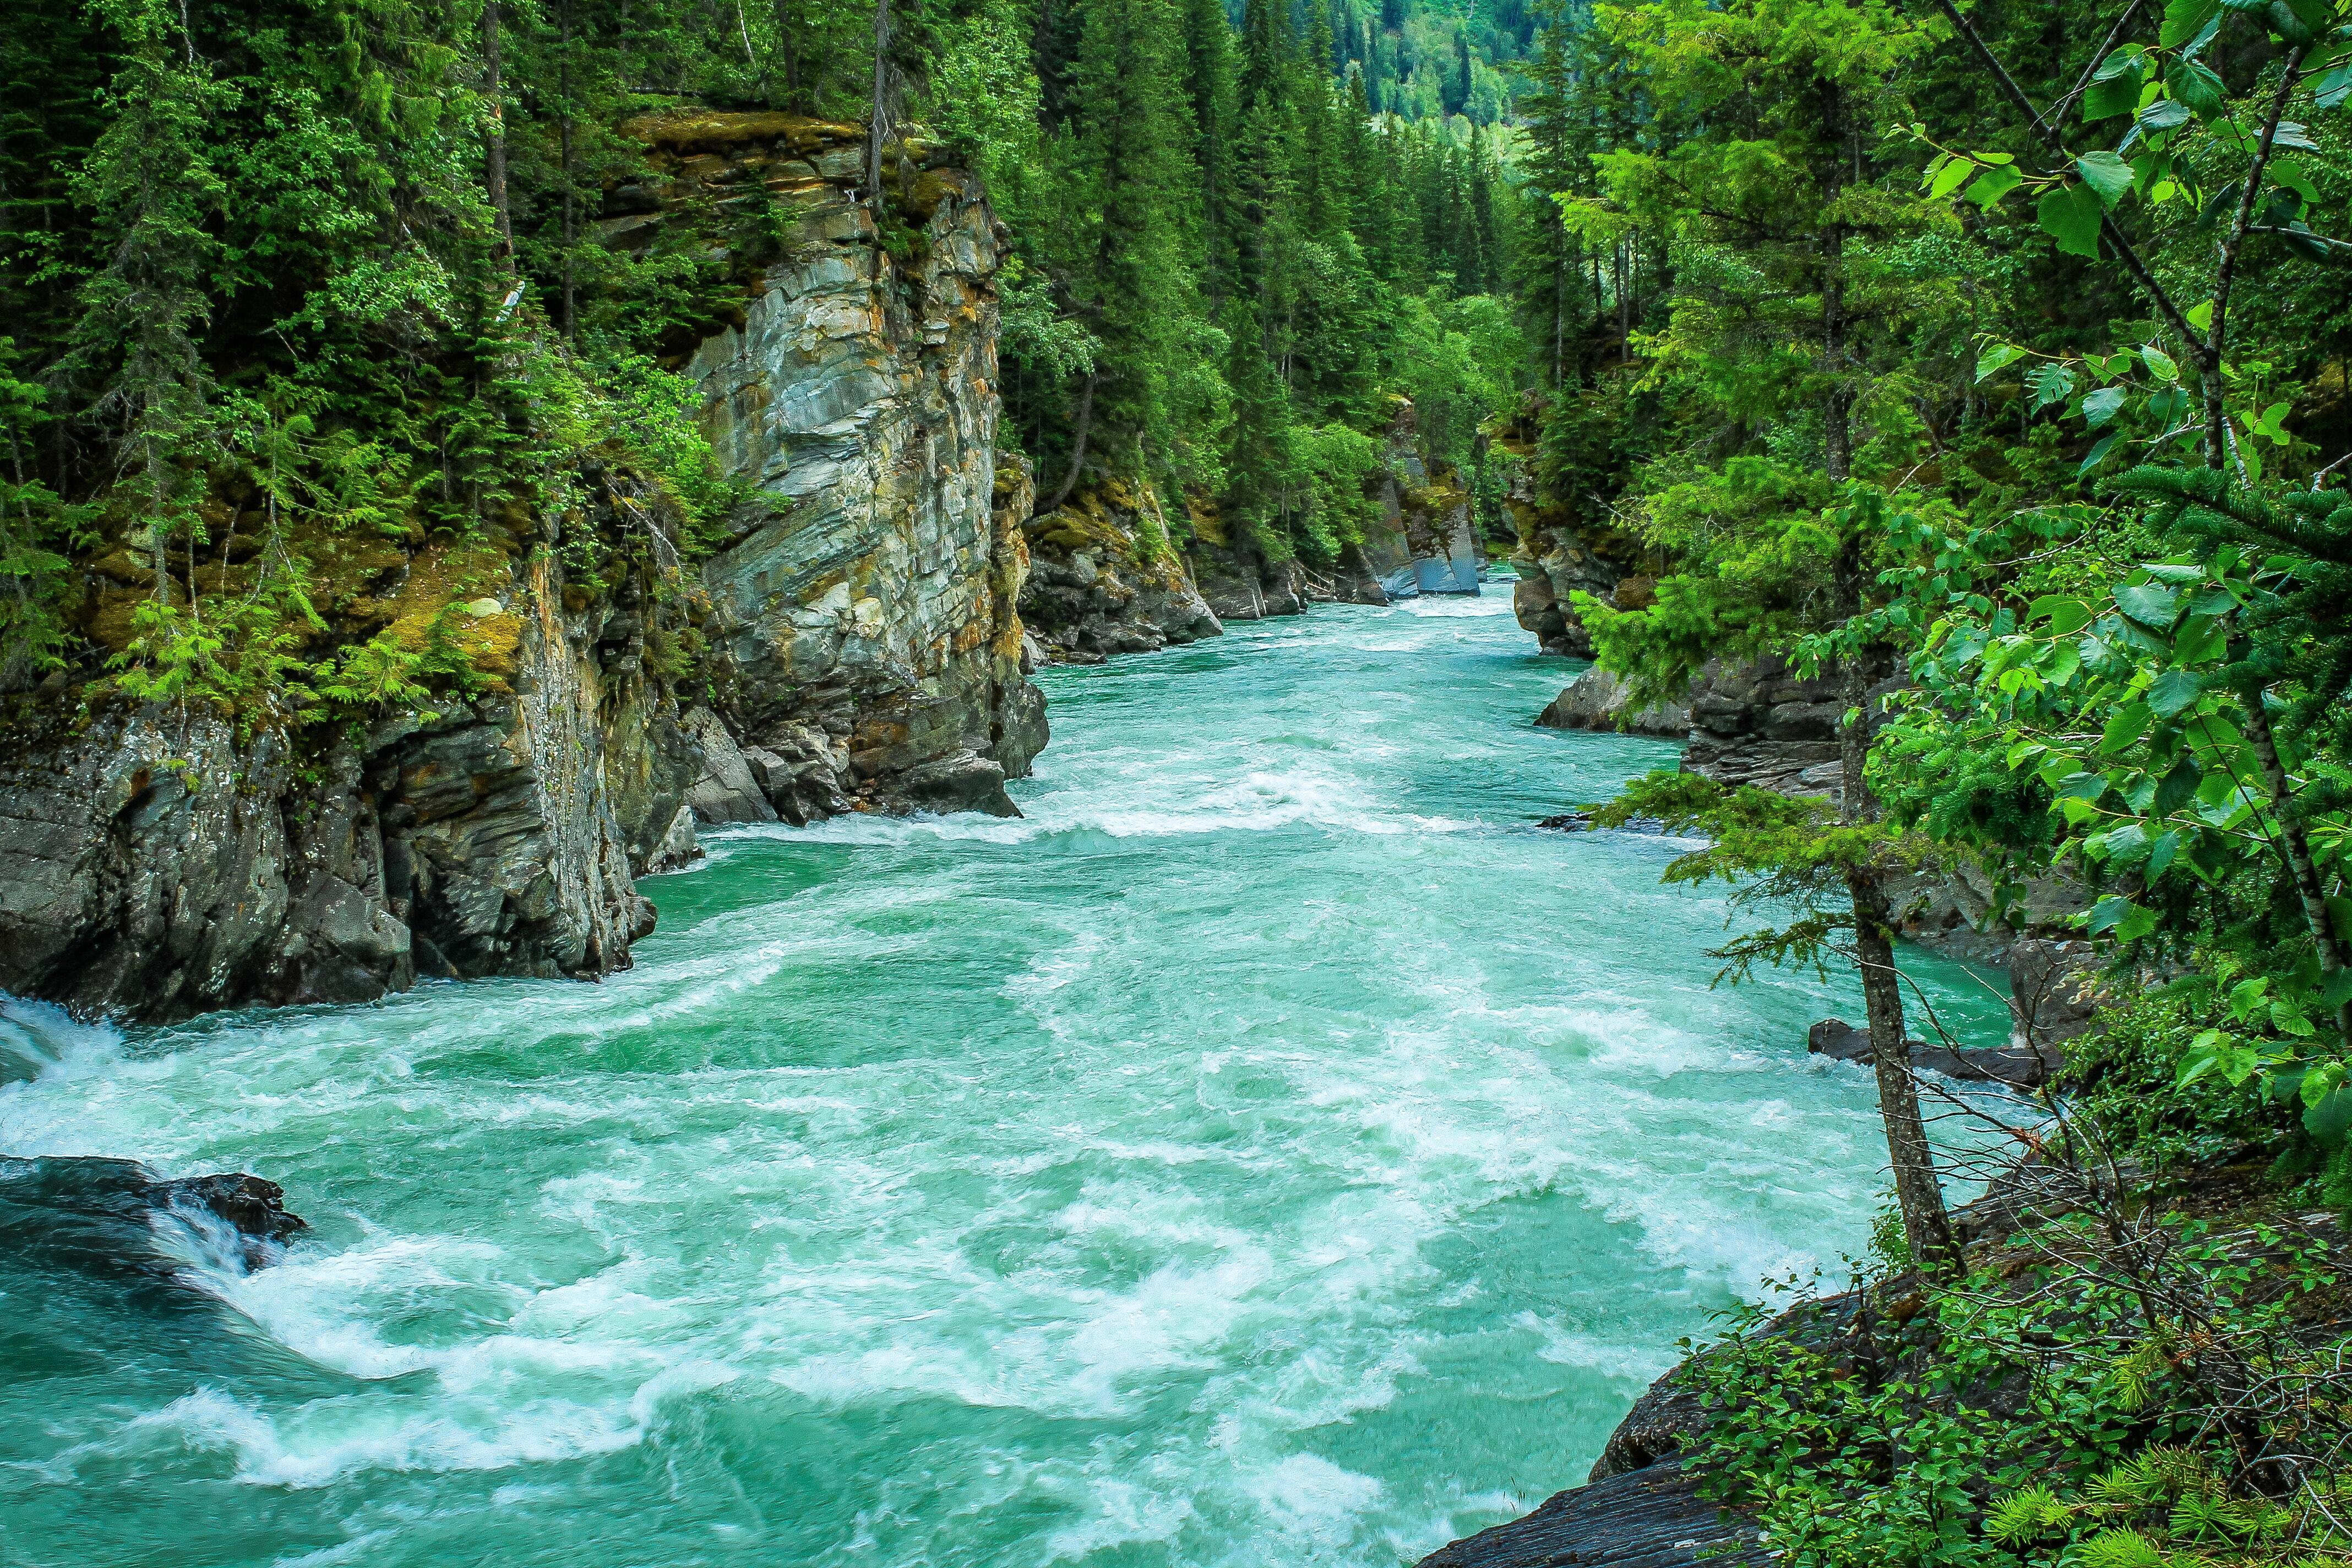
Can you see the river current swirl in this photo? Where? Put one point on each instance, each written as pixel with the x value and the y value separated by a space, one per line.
pixel 1271 1150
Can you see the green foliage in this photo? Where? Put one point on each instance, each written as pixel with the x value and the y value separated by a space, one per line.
pixel 2062 1405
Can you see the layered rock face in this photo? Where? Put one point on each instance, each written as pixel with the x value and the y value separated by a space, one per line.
pixel 866 640
pixel 1424 542
pixel 154 864
pixel 864 652
pixel 1105 579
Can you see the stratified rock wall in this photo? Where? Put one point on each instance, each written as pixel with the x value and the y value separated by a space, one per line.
pixel 865 631
pixel 153 865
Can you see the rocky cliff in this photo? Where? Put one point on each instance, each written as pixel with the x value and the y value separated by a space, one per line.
pixel 862 649
pixel 1560 553
pixel 866 640
pixel 1108 578
pixel 156 862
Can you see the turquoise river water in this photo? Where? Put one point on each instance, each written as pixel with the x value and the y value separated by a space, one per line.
pixel 1274 1150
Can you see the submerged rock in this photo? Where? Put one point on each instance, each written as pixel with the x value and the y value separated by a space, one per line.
pixel 111 1217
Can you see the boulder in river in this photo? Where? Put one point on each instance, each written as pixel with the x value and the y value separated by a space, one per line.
pixel 2016 1065
pixel 109 1217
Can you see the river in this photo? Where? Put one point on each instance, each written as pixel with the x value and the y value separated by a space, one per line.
pixel 1271 1150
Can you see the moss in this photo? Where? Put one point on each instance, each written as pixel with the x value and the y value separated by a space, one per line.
pixel 705 130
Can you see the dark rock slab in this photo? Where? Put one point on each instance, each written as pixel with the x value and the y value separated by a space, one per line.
pixel 106 1216
pixel 2017 1066
pixel 1649 1518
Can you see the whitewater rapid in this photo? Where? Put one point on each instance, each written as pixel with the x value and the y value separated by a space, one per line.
pixel 1272 1149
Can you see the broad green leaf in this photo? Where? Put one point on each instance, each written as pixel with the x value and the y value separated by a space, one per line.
pixel 2067 617
pixel 2098 453
pixel 2069 216
pixel 2174 690
pixel 2107 914
pixel 2149 604
pixel 2083 786
pixel 2184 19
pixel 2330 1119
pixel 2288 22
pixel 2290 173
pixel 2106 99
pixel 2200 316
pixel 2049 382
pixel 2105 173
pixel 1992 184
pixel 2125 727
pixel 2117 62
pixel 2197 86
pixel 1995 356
pixel 1949 178
pixel 2164 114
pixel 2160 365
pixel 2100 406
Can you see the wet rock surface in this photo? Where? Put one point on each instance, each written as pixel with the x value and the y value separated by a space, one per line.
pixel 1651 1518
pixel 1105 579
pixel 2018 1066
pixel 104 1216
pixel 1600 699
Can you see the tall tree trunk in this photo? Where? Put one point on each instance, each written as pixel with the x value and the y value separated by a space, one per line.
pixel 1077 445
pixel 1927 1228
pixel 570 187
pixel 494 151
pixel 2294 845
pixel 1919 1195
pixel 876 127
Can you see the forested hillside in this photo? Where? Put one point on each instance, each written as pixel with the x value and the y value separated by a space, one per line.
pixel 359 258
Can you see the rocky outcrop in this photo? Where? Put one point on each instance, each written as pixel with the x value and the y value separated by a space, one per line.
pixel 101 1216
pixel 1600 699
pixel 865 634
pixel 1423 540
pixel 1759 723
pixel 1106 577
pixel 1558 553
pixel 2023 1064
pixel 1237 580
pixel 854 644
pixel 155 864
pixel 1652 1518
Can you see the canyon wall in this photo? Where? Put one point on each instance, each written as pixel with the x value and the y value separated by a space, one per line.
pixel 854 644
